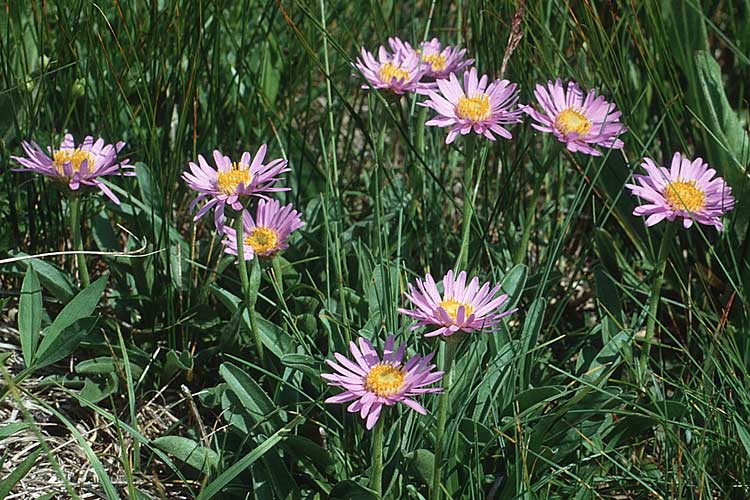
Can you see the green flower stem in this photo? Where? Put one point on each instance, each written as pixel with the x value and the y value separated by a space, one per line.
pixel 247 290
pixel 376 479
pixel 75 222
pixel 468 207
pixel 653 303
pixel 276 263
pixel 449 353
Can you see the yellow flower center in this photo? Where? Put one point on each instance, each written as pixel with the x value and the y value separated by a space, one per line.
pixel 228 181
pixel 684 195
pixel 451 307
pixel 570 120
pixel 384 379
pixel 437 61
pixel 262 239
pixel 388 72
pixel 75 157
pixel 475 108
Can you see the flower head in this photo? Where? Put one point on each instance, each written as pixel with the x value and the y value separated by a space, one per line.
pixel 230 181
pixel 371 383
pixel 76 165
pixel 688 189
pixel 577 122
pixel 398 72
pixel 268 233
pixel 475 106
pixel 458 308
pixel 439 61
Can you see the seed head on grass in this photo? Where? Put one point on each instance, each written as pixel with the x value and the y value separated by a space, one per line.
pixel 459 308
pixel 474 106
pixel 399 71
pixel 230 181
pixel 579 123
pixel 76 165
pixel 372 383
pixel 268 233
pixel 688 189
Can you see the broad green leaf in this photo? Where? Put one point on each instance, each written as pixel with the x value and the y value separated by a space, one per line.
pixel 81 306
pixel 30 314
pixel 253 398
pixel 52 278
pixel 423 462
pixel 61 343
pixel 513 284
pixel 188 451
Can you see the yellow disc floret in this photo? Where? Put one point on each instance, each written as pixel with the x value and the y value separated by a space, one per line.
pixel 262 240
pixel 75 157
pixel 437 61
pixel 388 72
pixel 451 307
pixel 475 108
pixel 228 180
pixel 384 379
pixel 570 120
pixel 684 195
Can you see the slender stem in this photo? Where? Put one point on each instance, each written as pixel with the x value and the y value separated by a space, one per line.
pixel 463 254
pixel 653 302
pixel 247 291
pixel 75 222
pixel 376 480
pixel 449 352
pixel 276 263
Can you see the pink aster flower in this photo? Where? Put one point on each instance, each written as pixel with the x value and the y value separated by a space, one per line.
pixel 76 165
pixel 578 123
pixel 398 72
pixel 372 383
pixel 439 61
pixel 688 189
pixel 475 106
pixel 268 233
pixel 458 308
pixel 230 181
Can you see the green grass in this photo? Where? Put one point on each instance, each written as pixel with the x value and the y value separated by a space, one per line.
pixel 550 405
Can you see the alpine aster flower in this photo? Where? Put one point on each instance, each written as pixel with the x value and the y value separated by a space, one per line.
pixel 577 122
pixel 398 72
pixel 439 61
pixel 372 383
pixel 475 106
pixel 268 233
pixel 688 189
pixel 230 181
pixel 458 308
pixel 76 165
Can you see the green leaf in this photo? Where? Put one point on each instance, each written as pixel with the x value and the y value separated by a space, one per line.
pixel 81 306
pixel 423 462
pixel 18 473
pixel 188 451
pixel 259 406
pixel 52 278
pixel 743 434
pixel 30 314
pixel 10 429
pixel 217 485
pixel 302 362
pixel 513 283
pixel 350 490
pixel 176 362
pixel 59 344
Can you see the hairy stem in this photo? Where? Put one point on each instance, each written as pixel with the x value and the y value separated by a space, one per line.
pixel 75 222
